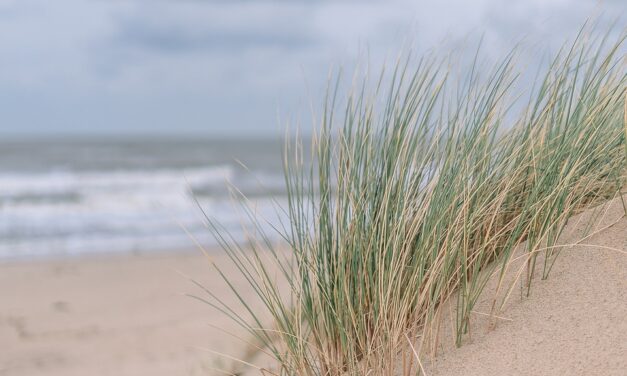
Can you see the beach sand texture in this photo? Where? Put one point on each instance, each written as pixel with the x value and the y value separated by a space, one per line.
pixel 126 315
pixel 109 316
pixel 574 323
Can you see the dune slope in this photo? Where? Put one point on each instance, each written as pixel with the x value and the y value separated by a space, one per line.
pixel 573 323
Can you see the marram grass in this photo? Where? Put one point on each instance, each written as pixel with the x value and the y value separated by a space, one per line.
pixel 420 187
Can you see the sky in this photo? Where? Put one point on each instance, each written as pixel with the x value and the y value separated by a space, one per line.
pixel 230 67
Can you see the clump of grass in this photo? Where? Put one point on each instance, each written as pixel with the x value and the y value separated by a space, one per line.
pixel 419 189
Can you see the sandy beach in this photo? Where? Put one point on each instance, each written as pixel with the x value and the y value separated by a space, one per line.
pixel 124 315
pixel 127 315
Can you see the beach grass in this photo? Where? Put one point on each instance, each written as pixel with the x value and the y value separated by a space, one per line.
pixel 421 185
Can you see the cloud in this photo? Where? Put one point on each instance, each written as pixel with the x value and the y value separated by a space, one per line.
pixel 177 40
pixel 198 26
pixel 227 66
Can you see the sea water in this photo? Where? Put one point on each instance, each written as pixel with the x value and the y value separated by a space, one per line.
pixel 62 198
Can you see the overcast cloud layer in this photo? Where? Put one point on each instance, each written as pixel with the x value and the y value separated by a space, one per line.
pixel 230 66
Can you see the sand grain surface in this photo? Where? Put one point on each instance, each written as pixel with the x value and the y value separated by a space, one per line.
pixel 574 323
pixel 120 315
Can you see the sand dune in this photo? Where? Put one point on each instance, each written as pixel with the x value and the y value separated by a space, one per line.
pixel 572 324
pixel 126 315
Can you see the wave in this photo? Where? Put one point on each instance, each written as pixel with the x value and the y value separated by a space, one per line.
pixel 78 212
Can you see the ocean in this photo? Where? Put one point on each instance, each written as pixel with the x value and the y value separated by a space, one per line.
pixel 79 197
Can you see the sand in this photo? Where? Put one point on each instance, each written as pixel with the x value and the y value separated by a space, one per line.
pixel 573 323
pixel 127 315
pixel 122 315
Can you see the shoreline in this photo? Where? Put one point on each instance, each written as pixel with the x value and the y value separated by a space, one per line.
pixel 101 256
